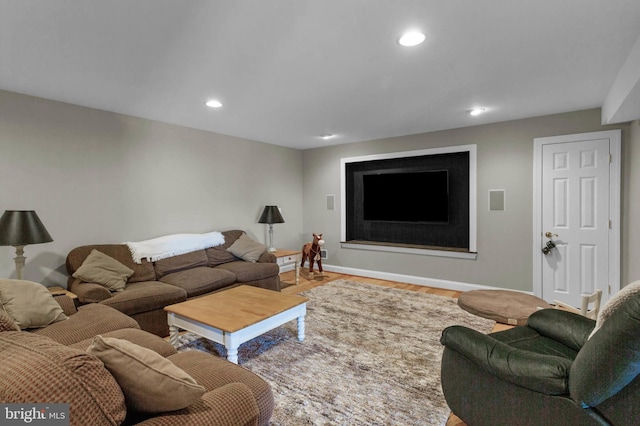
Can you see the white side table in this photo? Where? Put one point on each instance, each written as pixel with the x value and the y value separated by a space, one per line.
pixel 287 257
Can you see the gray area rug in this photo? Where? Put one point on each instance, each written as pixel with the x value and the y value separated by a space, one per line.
pixel 371 356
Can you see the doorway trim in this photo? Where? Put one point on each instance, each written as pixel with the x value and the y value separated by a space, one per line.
pixel 615 169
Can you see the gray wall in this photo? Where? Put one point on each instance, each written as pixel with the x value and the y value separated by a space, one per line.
pixel 505 161
pixel 98 177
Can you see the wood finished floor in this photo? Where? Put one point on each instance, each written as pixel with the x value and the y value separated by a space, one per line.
pixel 309 281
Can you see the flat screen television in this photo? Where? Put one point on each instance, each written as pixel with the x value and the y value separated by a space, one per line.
pixel 407 196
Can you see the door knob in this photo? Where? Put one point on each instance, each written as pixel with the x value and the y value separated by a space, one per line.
pixel 550 234
pixel 547 249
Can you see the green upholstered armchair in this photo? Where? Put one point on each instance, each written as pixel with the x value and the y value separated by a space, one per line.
pixel 547 372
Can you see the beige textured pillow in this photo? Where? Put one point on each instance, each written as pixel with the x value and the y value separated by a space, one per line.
pixel 29 304
pixel 104 270
pixel 247 249
pixel 150 382
pixel 627 292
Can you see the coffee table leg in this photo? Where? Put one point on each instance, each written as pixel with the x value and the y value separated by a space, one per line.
pixel 301 328
pixel 232 355
pixel 174 331
pixel 231 343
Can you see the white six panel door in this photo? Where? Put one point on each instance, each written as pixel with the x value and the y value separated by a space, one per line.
pixel 575 210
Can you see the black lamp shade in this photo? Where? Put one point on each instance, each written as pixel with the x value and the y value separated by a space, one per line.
pixel 21 228
pixel 271 214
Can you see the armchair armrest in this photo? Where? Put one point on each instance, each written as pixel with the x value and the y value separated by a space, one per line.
pixel 568 328
pixel 547 374
pixel 88 292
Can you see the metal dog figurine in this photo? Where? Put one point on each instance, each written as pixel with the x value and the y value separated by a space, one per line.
pixel 311 251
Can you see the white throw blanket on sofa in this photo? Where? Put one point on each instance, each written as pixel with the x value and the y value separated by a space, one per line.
pixel 173 245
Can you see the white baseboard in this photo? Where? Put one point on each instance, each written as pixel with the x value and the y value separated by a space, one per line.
pixel 286 268
pixel 411 279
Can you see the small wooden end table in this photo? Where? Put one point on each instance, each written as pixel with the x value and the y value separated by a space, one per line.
pixel 58 291
pixel 287 257
pixel 232 317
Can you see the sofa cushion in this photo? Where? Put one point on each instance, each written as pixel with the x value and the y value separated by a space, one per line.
pixel 247 249
pixel 104 270
pixel 200 280
pixel 29 304
pixel 219 254
pixel 145 296
pixel 247 272
pixel 120 252
pixel 39 370
pixel 150 382
pixel 180 263
pixel 89 321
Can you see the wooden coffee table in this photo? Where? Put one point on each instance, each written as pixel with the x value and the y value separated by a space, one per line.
pixel 232 317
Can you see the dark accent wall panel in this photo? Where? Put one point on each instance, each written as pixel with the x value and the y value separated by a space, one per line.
pixel 453 234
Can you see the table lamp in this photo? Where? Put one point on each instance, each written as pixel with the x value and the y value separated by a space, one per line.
pixel 271 215
pixel 19 228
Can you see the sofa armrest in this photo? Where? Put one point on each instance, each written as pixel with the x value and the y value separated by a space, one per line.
pixel 231 404
pixel 67 304
pixel 133 335
pixel 568 328
pixel 88 292
pixel 547 374
pixel 267 257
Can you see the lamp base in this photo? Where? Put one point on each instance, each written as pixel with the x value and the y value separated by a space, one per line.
pixel 20 261
pixel 271 248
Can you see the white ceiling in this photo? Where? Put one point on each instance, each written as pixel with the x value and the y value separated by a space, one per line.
pixel 288 71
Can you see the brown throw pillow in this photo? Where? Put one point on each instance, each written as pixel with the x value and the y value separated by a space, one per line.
pixel 247 249
pixel 104 270
pixel 29 304
pixel 150 382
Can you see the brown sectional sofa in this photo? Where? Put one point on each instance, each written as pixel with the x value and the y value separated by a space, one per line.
pixel 155 285
pixel 51 364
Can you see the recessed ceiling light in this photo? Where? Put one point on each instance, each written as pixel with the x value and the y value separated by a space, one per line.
pixel 213 103
pixel 327 136
pixel 411 38
pixel 477 111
